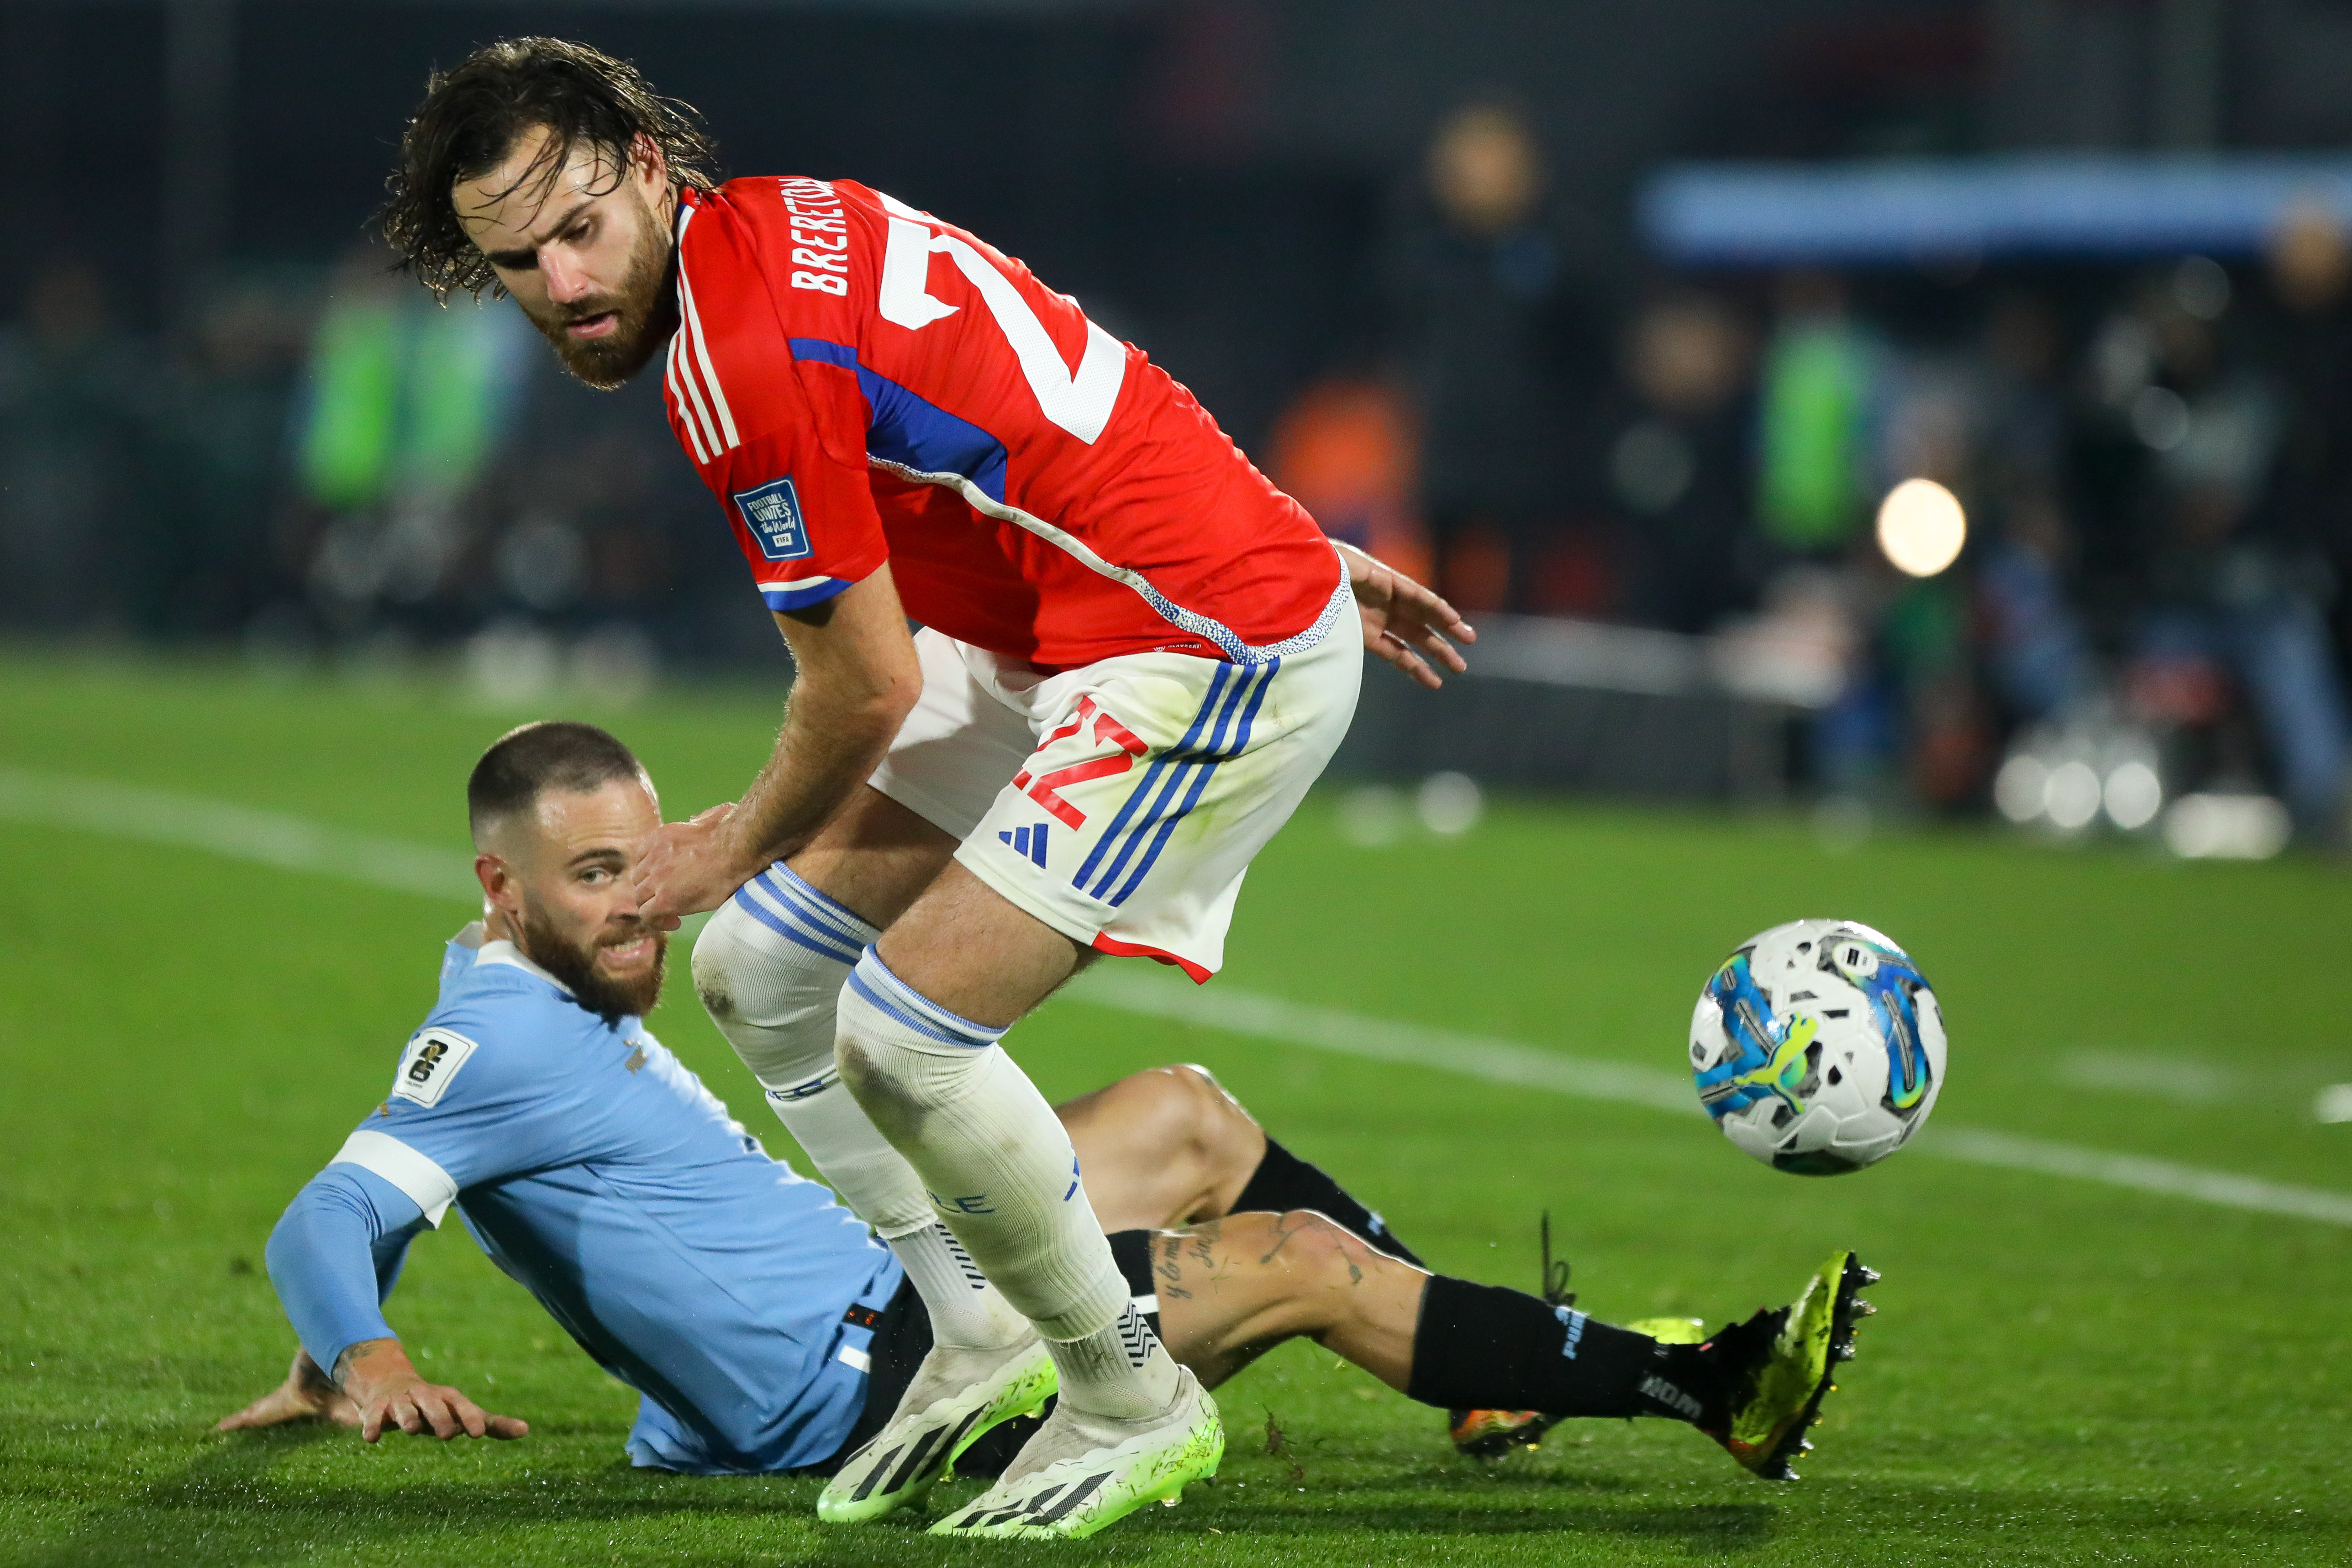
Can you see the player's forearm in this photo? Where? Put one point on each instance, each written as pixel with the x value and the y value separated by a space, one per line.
pixel 857 678
pixel 321 1260
pixel 835 732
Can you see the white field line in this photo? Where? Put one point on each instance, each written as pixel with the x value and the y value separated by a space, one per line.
pixel 1984 1147
pixel 1522 1067
pixel 191 822
pixel 1133 988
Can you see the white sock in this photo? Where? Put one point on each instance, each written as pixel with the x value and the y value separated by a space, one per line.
pixel 769 968
pixel 967 1312
pixel 1005 1179
pixel 1120 1369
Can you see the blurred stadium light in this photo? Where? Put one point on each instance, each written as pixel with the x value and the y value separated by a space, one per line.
pixel 2102 205
pixel 1921 527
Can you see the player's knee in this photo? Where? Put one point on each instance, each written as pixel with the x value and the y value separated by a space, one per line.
pixel 776 1013
pixel 1219 1137
pixel 1178 1122
pixel 727 974
pixel 1313 1244
pixel 897 1080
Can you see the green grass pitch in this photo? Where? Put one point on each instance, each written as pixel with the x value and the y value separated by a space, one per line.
pixel 2061 1371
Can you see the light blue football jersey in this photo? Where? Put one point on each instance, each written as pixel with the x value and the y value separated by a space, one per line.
pixel 601 1174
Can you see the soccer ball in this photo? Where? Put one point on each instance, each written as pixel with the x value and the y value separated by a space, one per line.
pixel 1818 1047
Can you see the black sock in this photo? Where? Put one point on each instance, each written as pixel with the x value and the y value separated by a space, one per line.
pixel 1482 1347
pixel 1284 1181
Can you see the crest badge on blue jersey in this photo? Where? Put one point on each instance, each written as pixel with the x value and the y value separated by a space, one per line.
pixel 772 513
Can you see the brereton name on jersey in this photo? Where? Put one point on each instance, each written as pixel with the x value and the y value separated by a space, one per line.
pixel 857 382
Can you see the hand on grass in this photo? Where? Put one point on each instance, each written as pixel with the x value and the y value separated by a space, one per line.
pixel 307 1394
pixel 1401 616
pixel 388 1395
pixel 690 867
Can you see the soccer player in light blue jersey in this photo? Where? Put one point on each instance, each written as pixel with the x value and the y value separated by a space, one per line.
pixel 763 1327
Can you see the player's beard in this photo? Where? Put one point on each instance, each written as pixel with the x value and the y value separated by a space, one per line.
pixel 645 313
pixel 574 965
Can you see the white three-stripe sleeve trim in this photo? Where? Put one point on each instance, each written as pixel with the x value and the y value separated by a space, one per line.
pixel 684 342
pixel 701 352
pixel 428 1187
pixel 702 359
pixel 685 368
pixel 686 410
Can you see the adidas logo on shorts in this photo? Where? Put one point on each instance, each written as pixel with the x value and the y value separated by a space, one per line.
pixel 1029 841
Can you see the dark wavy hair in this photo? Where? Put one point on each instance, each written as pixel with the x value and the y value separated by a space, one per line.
pixel 472 116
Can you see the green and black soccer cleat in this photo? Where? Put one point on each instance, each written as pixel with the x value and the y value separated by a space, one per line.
pixel 1778 1365
pixel 952 1402
pixel 1072 1478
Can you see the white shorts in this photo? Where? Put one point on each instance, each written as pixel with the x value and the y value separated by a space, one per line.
pixel 1120 802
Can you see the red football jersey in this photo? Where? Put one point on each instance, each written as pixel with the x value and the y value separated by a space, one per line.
pixel 859 382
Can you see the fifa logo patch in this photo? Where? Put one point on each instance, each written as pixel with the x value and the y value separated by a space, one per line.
pixel 772 512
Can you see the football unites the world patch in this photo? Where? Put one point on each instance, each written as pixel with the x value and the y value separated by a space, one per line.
pixel 772 512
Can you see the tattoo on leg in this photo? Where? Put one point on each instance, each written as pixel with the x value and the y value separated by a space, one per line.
pixel 1168 1267
pixel 1182 1260
pixel 1284 1230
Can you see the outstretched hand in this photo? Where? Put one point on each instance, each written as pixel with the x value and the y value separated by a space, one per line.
pixel 380 1392
pixel 1403 620
pixel 390 1396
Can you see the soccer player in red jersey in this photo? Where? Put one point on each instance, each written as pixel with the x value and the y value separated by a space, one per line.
pixel 1136 656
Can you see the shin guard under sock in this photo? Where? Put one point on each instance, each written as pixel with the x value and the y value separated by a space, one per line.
pixel 1482 1347
pixel 1283 1181
pixel 770 968
pixel 1003 1179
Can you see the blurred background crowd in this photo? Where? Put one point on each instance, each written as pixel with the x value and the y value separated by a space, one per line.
pixel 1622 321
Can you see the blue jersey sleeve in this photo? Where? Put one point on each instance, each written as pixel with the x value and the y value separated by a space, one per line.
pixel 464 1109
pixel 335 1255
pixel 474 1100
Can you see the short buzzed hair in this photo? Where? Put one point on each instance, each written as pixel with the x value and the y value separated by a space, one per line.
pixel 552 754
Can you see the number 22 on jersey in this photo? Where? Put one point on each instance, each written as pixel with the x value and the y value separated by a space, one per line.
pixel 1079 402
